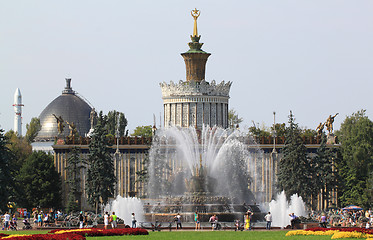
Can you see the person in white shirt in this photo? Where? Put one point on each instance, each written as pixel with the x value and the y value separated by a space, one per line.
pixel 268 218
pixel 106 220
pixel 6 221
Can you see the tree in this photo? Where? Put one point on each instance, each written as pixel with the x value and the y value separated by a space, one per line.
pixel 111 120
pixel 143 131
pixel 324 174
pixel 258 132
pixel 100 176
pixel 20 148
pixel 32 129
pixel 280 129
pixel 233 119
pixel 294 175
pixel 39 182
pixel 143 175
pixel 74 165
pixel 356 165
pixel 5 176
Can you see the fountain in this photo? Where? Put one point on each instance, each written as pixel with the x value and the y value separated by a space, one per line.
pixel 205 171
pixel 123 207
pixel 281 208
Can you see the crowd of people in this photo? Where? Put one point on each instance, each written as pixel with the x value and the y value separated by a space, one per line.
pixel 330 218
pixel 52 218
pixel 344 218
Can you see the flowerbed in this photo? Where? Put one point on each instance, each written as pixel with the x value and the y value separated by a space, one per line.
pixel 92 232
pixel 76 234
pixel 70 236
pixel 335 233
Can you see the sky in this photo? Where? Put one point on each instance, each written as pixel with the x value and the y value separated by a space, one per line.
pixel 312 57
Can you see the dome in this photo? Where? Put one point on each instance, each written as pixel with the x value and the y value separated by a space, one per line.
pixel 71 108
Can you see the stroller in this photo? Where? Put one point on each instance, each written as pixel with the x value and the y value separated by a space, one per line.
pixel 27 225
pixel 13 226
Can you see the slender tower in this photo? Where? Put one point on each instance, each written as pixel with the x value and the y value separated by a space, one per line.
pixel 195 102
pixel 18 112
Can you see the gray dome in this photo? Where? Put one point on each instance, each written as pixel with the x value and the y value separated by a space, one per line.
pixel 71 108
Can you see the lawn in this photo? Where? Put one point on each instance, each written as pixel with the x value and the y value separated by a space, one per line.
pixel 187 235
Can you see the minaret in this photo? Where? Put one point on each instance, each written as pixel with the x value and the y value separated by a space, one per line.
pixel 195 58
pixel 18 112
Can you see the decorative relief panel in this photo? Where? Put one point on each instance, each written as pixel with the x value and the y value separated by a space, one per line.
pixel 206 113
pixel 199 114
pixel 213 114
pixel 192 88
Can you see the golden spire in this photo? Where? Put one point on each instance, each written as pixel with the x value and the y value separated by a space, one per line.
pixel 195 14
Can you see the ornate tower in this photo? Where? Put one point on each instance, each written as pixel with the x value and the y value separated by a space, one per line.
pixel 195 102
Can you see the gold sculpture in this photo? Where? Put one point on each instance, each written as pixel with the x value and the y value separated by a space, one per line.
pixel 329 123
pixel 320 128
pixel 72 128
pixel 195 14
pixel 60 124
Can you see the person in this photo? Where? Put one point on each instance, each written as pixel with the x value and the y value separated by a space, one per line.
pixel 196 220
pixel 113 218
pixel 81 219
pixel 6 221
pixel 178 221
pixel 14 221
pixel 40 219
pixel 248 216
pixel 323 221
pixel 106 220
pixel 212 221
pixel 133 220
pixel 293 220
pixel 268 219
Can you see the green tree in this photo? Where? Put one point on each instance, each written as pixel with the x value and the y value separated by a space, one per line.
pixel 74 166
pixel 294 171
pixel 233 118
pixel 111 120
pixel 100 176
pixel 20 148
pixel 40 182
pixel 143 131
pixel 5 172
pixel 356 165
pixel 32 129
pixel 143 175
pixel 258 132
pixel 280 129
pixel 324 173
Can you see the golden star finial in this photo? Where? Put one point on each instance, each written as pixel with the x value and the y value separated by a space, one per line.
pixel 195 14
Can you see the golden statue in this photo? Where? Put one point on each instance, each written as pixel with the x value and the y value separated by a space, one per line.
pixel 329 123
pixel 72 128
pixel 320 128
pixel 60 124
pixel 195 14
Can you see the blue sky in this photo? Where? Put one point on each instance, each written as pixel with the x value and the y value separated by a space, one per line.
pixel 312 57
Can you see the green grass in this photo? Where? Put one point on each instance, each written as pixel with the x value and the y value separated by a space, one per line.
pixel 188 235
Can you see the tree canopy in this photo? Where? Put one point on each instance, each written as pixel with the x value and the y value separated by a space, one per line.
pixel 111 120
pixel 32 129
pixel 294 175
pixel 233 118
pixel 100 176
pixel 74 165
pixel 39 182
pixel 356 165
pixel 143 131
pixel 5 172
